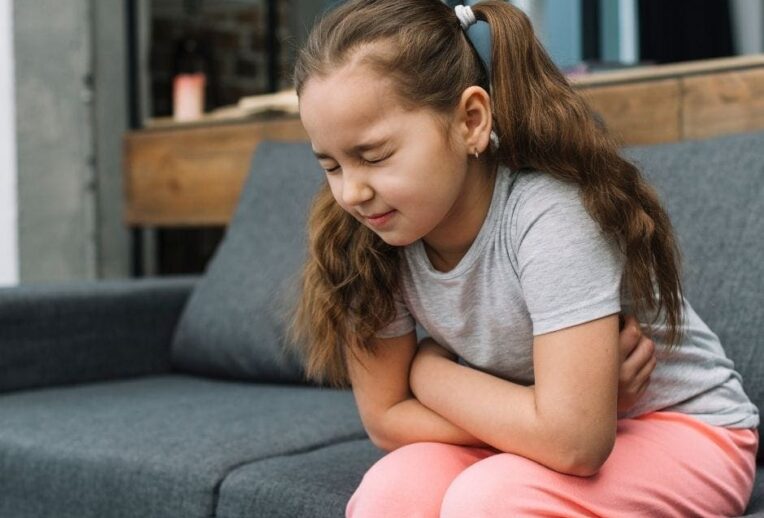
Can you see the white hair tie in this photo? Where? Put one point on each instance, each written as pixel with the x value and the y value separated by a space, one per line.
pixel 465 15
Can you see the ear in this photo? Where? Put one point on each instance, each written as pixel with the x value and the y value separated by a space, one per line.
pixel 475 119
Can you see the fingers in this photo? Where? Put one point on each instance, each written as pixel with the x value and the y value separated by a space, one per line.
pixel 629 398
pixel 635 374
pixel 629 336
pixel 642 378
pixel 641 356
pixel 642 381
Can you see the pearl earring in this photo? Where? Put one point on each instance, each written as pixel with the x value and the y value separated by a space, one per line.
pixel 476 153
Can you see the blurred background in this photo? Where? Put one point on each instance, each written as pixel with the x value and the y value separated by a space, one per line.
pixel 77 75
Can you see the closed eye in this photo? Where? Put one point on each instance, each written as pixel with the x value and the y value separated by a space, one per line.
pixel 364 162
pixel 369 162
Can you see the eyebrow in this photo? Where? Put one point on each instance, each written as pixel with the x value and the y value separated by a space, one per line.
pixel 355 150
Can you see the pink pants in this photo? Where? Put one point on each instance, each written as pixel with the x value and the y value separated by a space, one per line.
pixel 663 464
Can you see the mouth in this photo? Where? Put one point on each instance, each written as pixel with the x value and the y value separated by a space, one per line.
pixel 375 216
pixel 378 220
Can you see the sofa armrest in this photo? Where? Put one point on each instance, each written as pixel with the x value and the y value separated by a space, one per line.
pixel 88 331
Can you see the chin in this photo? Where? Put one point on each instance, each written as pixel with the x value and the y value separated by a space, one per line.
pixel 395 240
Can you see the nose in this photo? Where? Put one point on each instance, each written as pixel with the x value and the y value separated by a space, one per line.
pixel 355 190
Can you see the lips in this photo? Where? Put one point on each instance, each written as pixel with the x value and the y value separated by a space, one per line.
pixel 378 215
pixel 381 219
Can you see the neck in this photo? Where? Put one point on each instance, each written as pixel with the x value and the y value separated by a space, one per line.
pixel 449 242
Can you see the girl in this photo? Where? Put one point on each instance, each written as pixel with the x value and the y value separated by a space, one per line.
pixel 479 198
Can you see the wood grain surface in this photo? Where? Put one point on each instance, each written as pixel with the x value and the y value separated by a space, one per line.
pixel 191 174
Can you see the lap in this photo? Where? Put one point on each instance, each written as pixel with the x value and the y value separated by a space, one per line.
pixel 662 464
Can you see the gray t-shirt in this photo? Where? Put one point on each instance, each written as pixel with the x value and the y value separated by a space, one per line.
pixel 540 263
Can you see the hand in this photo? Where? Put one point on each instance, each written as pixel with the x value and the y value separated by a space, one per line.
pixel 427 350
pixel 637 362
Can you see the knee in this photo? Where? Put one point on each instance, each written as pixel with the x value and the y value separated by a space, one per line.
pixel 503 485
pixel 398 484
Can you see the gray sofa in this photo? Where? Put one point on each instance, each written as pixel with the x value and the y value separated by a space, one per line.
pixel 172 397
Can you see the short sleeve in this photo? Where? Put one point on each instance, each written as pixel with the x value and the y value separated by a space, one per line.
pixel 570 271
pixel 402 324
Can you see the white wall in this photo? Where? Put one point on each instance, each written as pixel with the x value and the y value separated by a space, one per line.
pixel 628 31
pixel 557 24
pixel 748 25
pixel 619 33
pixel 9 247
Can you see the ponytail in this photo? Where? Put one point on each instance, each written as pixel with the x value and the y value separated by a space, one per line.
pixel 545 125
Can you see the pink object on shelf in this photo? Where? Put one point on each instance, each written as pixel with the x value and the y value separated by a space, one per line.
pixel 188 96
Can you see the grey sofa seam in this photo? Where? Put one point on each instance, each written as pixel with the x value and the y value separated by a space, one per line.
pixel 300 451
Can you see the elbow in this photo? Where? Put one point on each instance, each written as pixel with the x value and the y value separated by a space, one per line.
pixel 586 465
pixel 383 443
pixel 581 448
pixel 586 457
pixel 379 436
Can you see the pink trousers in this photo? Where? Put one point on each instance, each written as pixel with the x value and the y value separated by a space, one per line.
pixel 662 464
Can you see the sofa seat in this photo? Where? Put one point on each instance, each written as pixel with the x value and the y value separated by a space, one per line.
pixel 756 504
pixel 316 483
pixel 153 446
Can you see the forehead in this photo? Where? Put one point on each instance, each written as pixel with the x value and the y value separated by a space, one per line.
pixel 350 100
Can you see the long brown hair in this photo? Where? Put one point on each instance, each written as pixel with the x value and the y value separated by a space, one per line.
pixel 351 276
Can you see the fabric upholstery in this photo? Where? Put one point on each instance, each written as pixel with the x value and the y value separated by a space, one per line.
pixel 317 483
pixel 714 193
pixel 234 324
pixel 52 334
pixel 756 504
pixel 157 446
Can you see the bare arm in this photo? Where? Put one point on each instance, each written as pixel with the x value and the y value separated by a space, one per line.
pixel 390 413
pixel 409 421
pixel 566 421
pixel 393 417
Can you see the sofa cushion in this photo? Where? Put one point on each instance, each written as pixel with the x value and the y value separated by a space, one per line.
pixel 714 193
pixel 233 325
pixel 316 483
pixel 154 446
pixel 756 503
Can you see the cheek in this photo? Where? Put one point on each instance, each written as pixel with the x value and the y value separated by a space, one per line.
pixel 424 194
pixel 335 186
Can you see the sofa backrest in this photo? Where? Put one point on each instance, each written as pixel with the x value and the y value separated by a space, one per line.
pixel 234 323
pixel 713 191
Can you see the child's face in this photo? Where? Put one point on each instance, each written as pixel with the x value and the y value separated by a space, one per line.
pixel 413 175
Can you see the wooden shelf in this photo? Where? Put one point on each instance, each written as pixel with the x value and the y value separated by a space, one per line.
pixel 192 173
pixel 192 176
